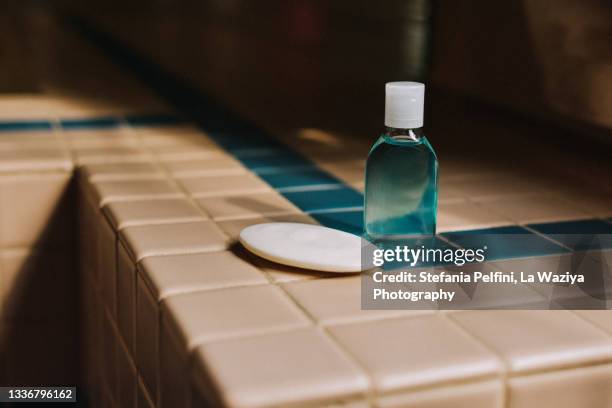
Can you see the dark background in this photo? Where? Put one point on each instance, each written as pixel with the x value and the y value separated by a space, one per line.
pixel 315 63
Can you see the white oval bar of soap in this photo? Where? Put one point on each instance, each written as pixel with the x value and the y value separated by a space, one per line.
pixel 304 246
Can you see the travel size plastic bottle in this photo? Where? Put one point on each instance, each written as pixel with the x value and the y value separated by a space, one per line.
pixel 401 188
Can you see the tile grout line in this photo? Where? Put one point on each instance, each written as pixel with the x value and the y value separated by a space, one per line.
pixel 371 396
pixel 201 210
pixel 170 177
pixel 507 372
pixel 422 387
pixel 546 237
pixel 591 323
pixel 505 365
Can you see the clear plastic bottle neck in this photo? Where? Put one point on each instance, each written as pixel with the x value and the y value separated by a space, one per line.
pixel 399 134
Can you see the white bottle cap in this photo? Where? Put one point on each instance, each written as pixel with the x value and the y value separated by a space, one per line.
pixel 404 104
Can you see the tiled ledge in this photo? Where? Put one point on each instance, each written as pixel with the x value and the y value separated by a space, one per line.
pixel 177 314
pixel 38 289
pixel 191 319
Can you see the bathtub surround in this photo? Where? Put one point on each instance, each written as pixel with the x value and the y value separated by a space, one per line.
pixel 163 314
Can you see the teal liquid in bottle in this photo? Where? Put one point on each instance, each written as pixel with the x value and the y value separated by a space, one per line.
pixel 401 190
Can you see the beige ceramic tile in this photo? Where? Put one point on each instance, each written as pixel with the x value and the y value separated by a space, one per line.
pixel 13 264
pixel 358 185
pixel 87 224
pixel 349 172
pixel 318 141
pixel 53 142
pixel 224 313
pixel 126 377
pixel 534 209
pixel 359 403
pixel 283 369
pixel 160 140
pixel 92 361
pixel 601 318
pixel 171 239
pixel 87 191
pixel 170 275
pixel 34 159
pixel 89 335
pixel 469 171
pixel 107 264
pixel 31 277
pixel 203 146
pixel 596 203
pixel 170 131
pixel 486 394
pixel 110 140
pixel 124 190
pixel 498 186
pixel 233 227
pixel 563 294
pixel 467 215
pixel 447 193
pixel 9 278
pixel 126 296
pixel 279 273
pixel 336 300
pixel 174 362
pixel 121 171
pixel 581 387
pixel 247 206
pixel 110 155
pixel 115 135
pixel 28 136
pixel 147 336
pixel 170 135
pixel 187 153
pixel 393 351
pixel 109 354
pixel 530 340
pixel 603 257
pixel 122 142
pixel 217 165
pixel 123 214
pixel 224 185
pixel 35 209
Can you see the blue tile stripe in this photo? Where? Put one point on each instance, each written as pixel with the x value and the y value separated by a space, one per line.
pixel 100 122
pixel 154 119
pixel 303 178
pixel 349 221
pixel 25 125
pixel 502 242
pixel 578 235
pixel 90 123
